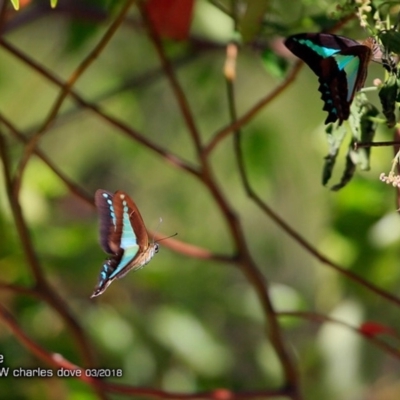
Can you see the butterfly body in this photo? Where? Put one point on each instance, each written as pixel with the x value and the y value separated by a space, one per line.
pixel 123 235
pixel 340 64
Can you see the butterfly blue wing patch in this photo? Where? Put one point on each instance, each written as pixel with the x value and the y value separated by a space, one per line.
pixel 340 64
pixel 128 244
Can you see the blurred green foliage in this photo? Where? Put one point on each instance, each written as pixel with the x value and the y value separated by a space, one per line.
pixel 185 324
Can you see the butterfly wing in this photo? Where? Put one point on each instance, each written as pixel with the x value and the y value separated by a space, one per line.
pixel 340 64
pixel 134 230
pixel 123 234
pixel 335 91
pixel 105 208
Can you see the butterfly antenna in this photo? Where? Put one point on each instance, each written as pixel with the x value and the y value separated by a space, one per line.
pixel 159 223
pixel 168 237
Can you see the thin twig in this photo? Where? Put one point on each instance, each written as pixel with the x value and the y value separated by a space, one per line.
pixel 243 257
pixel 73 187
pixel 30 146
pixel 274 330
pixel 59 362
pixel 241 121
pixel 302 242
pixel 321 318
pixel 41 284
pixel 173 80
pixel 3 14
pixel 359 145
pixel 171 158
pixel 315 253
pixel 173 244
pixel 17 213
pixel 193 251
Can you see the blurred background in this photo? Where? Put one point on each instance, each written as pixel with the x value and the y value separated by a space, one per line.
pixel 186 324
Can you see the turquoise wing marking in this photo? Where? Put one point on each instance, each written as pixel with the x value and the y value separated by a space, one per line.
pixel 351 66
pixel 128 237
pixel 340 64
pixel 343 61
pixel 129 255
pixel 128 242
pixel 321 51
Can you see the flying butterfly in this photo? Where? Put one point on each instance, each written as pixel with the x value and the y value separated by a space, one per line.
pixel 340 64
pixel 123 235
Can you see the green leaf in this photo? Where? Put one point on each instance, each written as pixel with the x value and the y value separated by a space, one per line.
pixel 275 65
pixel 368 129
pixel 252 19
pixel 53 3
pixel 79 33
pixel 81 30
pixel 348 172
pixel 390 40
pixel 15 4
pixel 362 129
pixel 388 96
pixel 335 139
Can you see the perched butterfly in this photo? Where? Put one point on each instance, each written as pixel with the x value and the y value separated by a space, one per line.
pixel 340 64
pixel 123 235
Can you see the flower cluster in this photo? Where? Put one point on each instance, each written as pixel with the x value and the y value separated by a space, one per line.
pixel 392 178
pixel 364 9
